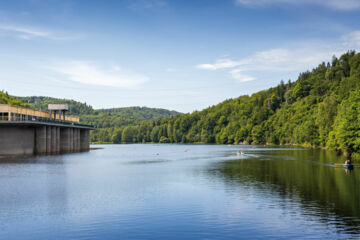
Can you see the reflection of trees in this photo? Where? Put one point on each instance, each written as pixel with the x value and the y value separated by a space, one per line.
pixel 322 190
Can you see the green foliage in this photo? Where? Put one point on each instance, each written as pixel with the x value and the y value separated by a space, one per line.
pixel 41 103
pixel 319 109
pixel 346 133
pixel 5 98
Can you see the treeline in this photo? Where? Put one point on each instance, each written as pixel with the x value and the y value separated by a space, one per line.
pixel 119 117
pixel 321 108
pixel 5 98
pixel 101 118
pixel 41 103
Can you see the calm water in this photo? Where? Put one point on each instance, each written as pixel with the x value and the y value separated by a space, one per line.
pixel 180 192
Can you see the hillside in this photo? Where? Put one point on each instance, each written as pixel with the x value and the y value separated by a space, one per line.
pixel 321 108
pixel 102 118
pixel 41 103
pixel 141 113
pixel 5 98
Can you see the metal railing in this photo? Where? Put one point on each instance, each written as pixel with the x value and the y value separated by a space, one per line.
pixel 43 120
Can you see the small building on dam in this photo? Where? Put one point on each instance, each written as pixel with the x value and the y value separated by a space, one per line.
pixel 25 131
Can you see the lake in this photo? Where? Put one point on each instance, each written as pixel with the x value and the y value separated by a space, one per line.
pixel 164 191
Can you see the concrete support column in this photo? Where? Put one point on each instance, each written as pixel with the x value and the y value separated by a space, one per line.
pixel 40 140
pixel 53 139
pixel 65 140
pixel 74 139
pixel 58 139
pixel 84 140
pixel 71 139
pixel 78 141
pixel 48 139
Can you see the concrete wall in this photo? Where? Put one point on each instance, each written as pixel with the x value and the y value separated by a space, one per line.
pixel 22 140
pixel 65 143
pixel 17 140
pixel 40 140
pixel 85 137
pixel 48 139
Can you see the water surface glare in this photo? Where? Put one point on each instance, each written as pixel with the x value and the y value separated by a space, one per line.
pixel 153 191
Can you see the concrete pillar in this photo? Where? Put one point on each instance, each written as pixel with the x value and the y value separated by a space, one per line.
pixel 40 140
pixel 84 140
pixel 65 140
pixel 78 139
pixel 71 139
pixel 48 139
pixel 74 140
pixel 57 139
pixel 53 139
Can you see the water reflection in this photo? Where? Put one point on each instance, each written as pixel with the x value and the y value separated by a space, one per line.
pixel 180 192
pixel 309 178
pixel 31 188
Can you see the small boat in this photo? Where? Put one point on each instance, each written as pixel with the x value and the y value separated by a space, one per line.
pixel 348 166
pixel 240 153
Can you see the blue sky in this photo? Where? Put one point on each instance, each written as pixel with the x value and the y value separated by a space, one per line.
pixel 179 55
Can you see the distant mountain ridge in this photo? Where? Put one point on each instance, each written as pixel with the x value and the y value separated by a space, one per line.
pixel 112 117
pixel 144 113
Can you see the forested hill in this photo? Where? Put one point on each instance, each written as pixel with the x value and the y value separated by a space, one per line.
pixel 5 98
pixel 41 103
pixel 321 108
pixel 120 117
pixel 143 113
pixel 102 118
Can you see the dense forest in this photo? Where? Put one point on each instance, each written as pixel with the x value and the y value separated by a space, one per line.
pixel 41 103
pixel 101 118
pixel 119 117
pixel 5 98
pixel 321 108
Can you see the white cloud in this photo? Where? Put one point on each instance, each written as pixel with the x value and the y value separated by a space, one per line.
pixel 90 73
pixel 220 64
pixel 295 59
pixel 334 4
pixel 26 32
pixel 236 74
pixel 352 39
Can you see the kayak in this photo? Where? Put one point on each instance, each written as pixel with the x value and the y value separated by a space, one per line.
pixel 348 166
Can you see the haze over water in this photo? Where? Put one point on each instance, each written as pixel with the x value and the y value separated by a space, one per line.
pixel 180 192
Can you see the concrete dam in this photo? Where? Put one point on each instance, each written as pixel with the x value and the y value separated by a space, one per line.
pixel 25 131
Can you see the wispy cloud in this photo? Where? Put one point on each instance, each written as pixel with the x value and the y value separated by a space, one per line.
pixel 221 63
pixel 352 39
pixel 334 4
pixel 298 58
pixel 238 75
pixel 94 74
pixel 26 32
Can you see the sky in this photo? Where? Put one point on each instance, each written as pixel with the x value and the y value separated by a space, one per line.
pixel 173 54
